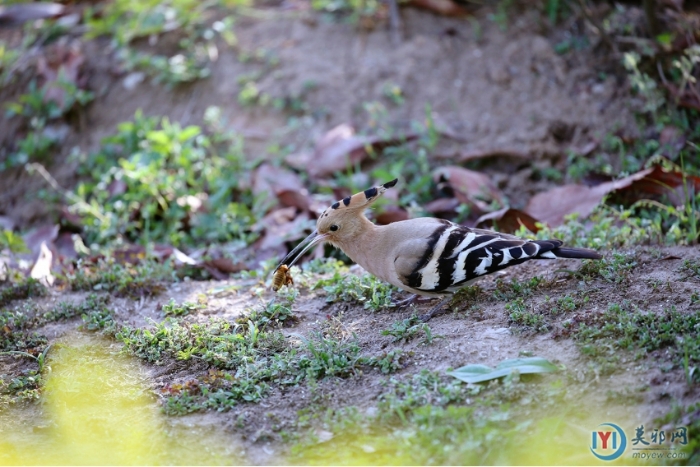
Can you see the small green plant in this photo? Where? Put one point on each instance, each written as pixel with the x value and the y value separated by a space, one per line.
pixel 142 279
pixel 29 288
pixel 407 329
pixel 612 269
pixel 152 180
pixel 38 111
pixel 515 288
pixel 389 362
pixel 275 312
pixel 366 289
pixel 519 315
pixel 40 359
pixel 172 308
pixel 325 356
pixel 12 242
pixel 691 267
pixel 626 327
pixel 126 20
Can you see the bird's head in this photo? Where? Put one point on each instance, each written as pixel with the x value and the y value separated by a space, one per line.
pixel 342 220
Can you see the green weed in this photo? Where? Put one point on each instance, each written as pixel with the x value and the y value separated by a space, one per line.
pixel 34 108
pixel 519 315
pixel 366 289
pixel 173 309
pixel 326 356
pixel 407 329
pixel 515 288
pixel 389 362
pixel 30 288
pixel 151 181
pixel 145 278
pixel 614 269
pixel 626 327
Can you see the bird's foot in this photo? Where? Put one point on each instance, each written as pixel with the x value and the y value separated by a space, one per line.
pixel 409 301
pixel 436 310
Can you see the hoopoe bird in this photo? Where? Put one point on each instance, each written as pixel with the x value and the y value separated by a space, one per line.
pixel 425 256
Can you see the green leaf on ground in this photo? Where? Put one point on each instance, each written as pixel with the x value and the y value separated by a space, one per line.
pixel 475 373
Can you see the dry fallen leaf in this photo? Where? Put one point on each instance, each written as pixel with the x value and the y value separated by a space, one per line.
pixel 470 187
pixel 551 206
pixel 508 220
pixel 35 238
pixel 341 148
pixel 476 154
pixel 392 214
pixel 442 206
pixel 13 15
pixel 442 7
pixel 282 183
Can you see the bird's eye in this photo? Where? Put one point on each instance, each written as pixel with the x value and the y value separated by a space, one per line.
pixel 334 227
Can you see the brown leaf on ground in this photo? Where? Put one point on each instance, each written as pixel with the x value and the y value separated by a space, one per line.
pixel 65 246
pixel 442 206
pixel 14 15
pixel 392 214
pixel 476 154
pixel 294 198
pixel 221 268
pixel 282 183
pixel 279 229
pixel 470 187
pixel 551 206
pixel 341 148
pixel 508 220
pixel 37 237
pixel 442 7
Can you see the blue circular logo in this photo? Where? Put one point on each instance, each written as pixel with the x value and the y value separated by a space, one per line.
pixel 608 445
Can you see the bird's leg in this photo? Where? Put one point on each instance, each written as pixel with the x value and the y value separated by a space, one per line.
pixel 436 310
pixel 408 301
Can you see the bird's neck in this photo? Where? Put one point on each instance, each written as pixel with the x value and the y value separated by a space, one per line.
pixel 360 248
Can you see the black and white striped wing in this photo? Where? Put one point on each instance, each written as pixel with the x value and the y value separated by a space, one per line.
pixel 456 255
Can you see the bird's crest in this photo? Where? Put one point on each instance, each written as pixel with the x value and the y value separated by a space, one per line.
pixel 360 200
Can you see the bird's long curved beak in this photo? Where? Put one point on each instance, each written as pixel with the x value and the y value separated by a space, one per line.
pixel 309 242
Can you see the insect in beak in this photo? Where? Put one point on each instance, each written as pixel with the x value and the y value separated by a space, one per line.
pixel 309 242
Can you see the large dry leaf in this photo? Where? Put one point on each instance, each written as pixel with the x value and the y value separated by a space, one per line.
pixel 442 206
pixel 341 148
pixel 508 220
pixel 392 214
pixel 470 187
pixel 44 234
pixel 442 7
pixel 13 15
pixel 477 154
pixel 64 246
pixel 551 206
pixel 284 184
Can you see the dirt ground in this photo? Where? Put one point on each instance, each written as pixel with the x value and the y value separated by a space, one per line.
pixel 493 90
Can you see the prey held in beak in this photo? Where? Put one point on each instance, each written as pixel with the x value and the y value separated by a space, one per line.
pixel 309 242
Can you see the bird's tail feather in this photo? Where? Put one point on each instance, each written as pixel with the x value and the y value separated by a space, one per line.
pixel 579 253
